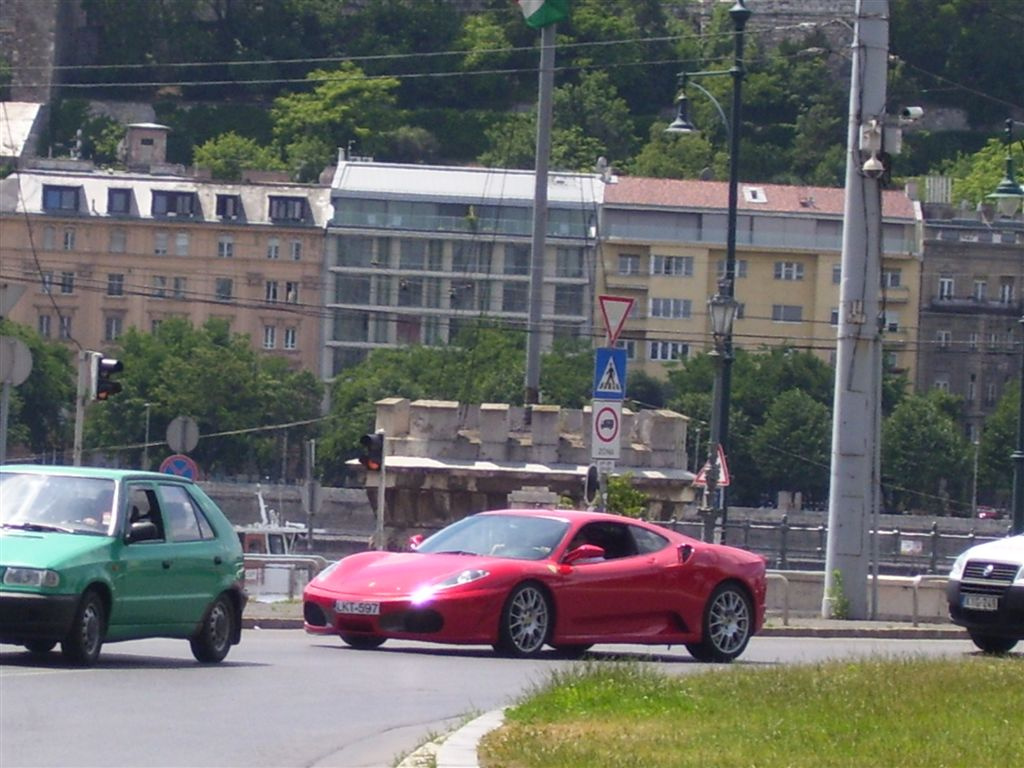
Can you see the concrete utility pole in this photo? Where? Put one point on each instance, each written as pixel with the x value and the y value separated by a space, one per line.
pixel 854 489
pixel 540 214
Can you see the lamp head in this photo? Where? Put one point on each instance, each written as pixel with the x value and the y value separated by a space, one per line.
pixel 682 124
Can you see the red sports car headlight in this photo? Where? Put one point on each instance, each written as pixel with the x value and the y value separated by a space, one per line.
pixel 467 576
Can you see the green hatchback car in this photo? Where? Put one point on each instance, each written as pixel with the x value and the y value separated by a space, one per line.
pixel 89 556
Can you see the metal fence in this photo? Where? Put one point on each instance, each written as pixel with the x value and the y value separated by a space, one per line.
pixel 800 546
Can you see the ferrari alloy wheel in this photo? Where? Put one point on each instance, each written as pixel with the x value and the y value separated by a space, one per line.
pixel 362 642
pixel 727 625
pixel 213 641
pixel 992 643
pixel 525 622
pixel 83 641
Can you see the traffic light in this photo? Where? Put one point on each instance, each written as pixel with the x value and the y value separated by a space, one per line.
pixel 101 369
pixel 373 451
pixel 592 485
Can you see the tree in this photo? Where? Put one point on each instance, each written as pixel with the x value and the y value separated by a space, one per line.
pixel 926 461
pixel 41 409
pixel 792 446
pixel 624 499
pixel 976 176
pixel 344 105
pixel 228 154
pixel 998 441
pixel 237 396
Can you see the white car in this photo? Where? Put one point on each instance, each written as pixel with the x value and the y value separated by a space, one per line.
pixel 986 593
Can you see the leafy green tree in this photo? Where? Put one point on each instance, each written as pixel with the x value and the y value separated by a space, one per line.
pixel 234 393
pixel 227 155
pixel 41 409
pixel 998 440
pixel 926 461
pixel 624 499
pixel 344 105
pixel 566 373
pixel 976 176
pixel 793 446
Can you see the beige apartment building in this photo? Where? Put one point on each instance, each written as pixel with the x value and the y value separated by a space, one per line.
pixel 100 251
pixel 664 243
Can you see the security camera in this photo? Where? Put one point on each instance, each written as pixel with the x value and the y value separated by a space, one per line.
pixel 873 167
pixel 910 114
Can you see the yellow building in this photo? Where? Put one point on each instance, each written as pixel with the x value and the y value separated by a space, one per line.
pixel 663 244
pixel 100 251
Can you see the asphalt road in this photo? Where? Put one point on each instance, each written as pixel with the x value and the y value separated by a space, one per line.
pixel 283 698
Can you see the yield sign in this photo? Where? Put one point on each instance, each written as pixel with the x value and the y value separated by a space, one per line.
pixel 723 471
pixel 614 310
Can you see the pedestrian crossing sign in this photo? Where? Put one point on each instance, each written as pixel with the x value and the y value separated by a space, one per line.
pixel 610 374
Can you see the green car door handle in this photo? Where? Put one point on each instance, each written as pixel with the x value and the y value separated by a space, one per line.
pixel 166 564
pixel 218 560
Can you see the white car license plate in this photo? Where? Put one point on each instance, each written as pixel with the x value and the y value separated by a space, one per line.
pixel 363 609
pixel 981 602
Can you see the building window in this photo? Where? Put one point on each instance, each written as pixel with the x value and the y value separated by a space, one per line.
pixel 271 291
pixel 223 289
pixel 69 239
pixel 674 308
pixel 287 208
pixel 945 338
pixel 178 287
pixel 676 266
pixel 629 264
pixel 993 341
pixel 296 250
pixel 569 262
pixel 291 292
pixel 891 278
pixel 942 383
pixel 513 297
pixel 945 288
pixel 1006 290
pixel 787 313
pixel 43 326
pixel 60 198
pixel 225 247
pixel 65 327
pixel 49 238
pixel 154 325
pixel 160 286
pixel 667 350
pixel 115 284
pixel 833 317
pixel 273 248
pixel 837 274
pixel 990 394
pixel 181 243
pixel 972 339
pixel 160 243
pixel 291 338
pixel 971 390
pixel 629 345
pixel 119 202
pixel 789 270
pixel 980 290
pixel 568 299
pixel 118 241
pixel 740 266
pixel 229 206
pixel 269 337
pixel 112 327
pixel 892 322
pixel 517 259
pixel 167 203
pixel 46 282
pixel 67 282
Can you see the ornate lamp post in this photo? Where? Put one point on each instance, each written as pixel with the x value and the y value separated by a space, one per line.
pixel 723 303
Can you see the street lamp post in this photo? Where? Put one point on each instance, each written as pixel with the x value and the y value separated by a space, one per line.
pixel 1008 197
pixel 145 444
pixel 724 299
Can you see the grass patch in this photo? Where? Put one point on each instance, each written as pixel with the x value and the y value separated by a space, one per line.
pixel 907 712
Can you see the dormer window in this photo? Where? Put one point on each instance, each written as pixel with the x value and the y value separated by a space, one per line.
pixel 229 206
pixel 288 209
pixel 168 203
pixel 60 198
pixel 754 195
pixel 119 202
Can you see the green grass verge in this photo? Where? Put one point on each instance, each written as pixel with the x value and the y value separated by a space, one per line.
pixel 906 712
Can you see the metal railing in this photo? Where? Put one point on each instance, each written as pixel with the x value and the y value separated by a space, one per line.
pixel 258 566
pixel 800 546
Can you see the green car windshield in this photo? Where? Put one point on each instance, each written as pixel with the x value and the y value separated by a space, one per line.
pixel 56 503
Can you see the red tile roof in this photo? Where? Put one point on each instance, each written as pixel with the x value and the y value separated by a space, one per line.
pixel 779 198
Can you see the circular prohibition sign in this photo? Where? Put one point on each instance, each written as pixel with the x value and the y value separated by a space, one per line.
pixel 607 424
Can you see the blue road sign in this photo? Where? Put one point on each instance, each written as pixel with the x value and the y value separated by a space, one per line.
pixel 610 374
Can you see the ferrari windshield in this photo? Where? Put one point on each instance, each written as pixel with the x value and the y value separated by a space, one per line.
pixel 56 502
pixel 520 537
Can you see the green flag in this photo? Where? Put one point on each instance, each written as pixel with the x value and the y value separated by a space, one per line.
pixel 542 13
